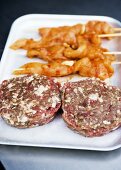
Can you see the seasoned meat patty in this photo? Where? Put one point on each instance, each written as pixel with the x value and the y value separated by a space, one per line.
pixel 29 101
pixel 91 107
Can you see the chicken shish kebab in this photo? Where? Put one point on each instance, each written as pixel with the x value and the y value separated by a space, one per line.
pixel 100 68
pixel 80 43
pixel 52 69
pixel 65 34
pixel 62 51
pixel 87 45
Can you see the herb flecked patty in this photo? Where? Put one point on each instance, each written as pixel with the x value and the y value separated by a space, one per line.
pixel 91 107
pixel 29 101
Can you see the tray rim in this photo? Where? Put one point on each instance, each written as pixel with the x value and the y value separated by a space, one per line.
pixel 3 59
pixel 62 146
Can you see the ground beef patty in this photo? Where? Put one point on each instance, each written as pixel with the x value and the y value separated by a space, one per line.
pixel 29 101
pixel 91 107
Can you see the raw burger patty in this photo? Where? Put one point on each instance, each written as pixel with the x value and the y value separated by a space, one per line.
pixel 29 101
pixel 91 107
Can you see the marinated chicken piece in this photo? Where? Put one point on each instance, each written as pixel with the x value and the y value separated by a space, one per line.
pixel 48 54
pixel 101 69
pixel 92 38
pixel 22 44
pixel 84 50
pixel 63 34
pixel 99 27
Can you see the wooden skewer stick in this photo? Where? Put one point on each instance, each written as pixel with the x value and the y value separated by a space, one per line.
pixel 109 35
pixel 117 29
pixel 112 52
pixel 116 62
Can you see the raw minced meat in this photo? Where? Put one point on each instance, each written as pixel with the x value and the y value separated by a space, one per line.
pixel 29 101
pixel 91 107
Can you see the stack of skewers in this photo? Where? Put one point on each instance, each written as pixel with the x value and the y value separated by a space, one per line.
pixel 69 50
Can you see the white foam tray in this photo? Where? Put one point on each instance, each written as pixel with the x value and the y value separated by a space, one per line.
pixel 54 134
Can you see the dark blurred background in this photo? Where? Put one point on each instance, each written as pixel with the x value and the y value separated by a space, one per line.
pixel 12 9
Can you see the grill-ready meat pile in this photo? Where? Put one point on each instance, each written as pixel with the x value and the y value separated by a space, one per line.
pixel 91 107
pixel 80 43
pixel 29 101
